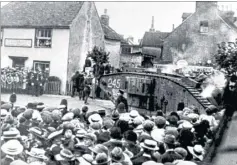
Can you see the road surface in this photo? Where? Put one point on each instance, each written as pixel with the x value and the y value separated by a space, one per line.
pixel 54 100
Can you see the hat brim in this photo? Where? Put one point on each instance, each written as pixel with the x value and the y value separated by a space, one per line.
pixel 58 157
pixel 153 149
pixel 52 136
pixel 13 137
pixel 95 163
pixel 190 149
pixel 43 157
pixel 19 150
pixel 121 160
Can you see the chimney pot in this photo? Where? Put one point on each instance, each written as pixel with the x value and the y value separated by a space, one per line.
pixel 105 11
pixel 105 18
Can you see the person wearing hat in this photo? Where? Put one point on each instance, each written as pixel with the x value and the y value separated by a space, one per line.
pixel 118 156
pixel 101 159
pixel 90 140
pixel 116 137
pixel 83 115
pixel 210 118
pixel 12 149
pixel 68 136
pixel 148 126
pixel 121 99
pixel 182 152
pixel 10 135
pixel 63 106
pixel 65 157
pixel 149 148
pixel 170 155
pixel 197 151
pixel 158 133
pixel 36 137
pixel 99 148
pixel 36 155
pixel 115 116
pixel 130 143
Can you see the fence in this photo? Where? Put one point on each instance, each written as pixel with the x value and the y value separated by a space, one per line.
pixel 51 87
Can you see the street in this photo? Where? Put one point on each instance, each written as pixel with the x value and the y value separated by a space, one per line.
pixel 54 100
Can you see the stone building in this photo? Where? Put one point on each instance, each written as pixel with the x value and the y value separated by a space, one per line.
pixel 55 36
pixel 196 39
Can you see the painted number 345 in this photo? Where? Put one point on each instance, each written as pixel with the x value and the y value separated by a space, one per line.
pixel 113 83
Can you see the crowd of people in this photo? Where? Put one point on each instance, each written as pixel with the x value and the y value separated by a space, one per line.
pixel 38 134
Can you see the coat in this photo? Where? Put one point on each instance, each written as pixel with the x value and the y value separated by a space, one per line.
pixel 123 100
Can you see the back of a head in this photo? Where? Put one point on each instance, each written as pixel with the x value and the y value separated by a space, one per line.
pixel 130 135
pixel 123 125
pixel 115 133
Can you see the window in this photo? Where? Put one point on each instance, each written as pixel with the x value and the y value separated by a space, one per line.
pixel 126 50
pixel 204 26
pixel 43 38
pixel 41 66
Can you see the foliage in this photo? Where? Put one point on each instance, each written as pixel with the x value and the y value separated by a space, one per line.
pixel 226 57
pixel 98 55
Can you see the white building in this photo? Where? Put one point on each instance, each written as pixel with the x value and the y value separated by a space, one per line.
pixel 55 36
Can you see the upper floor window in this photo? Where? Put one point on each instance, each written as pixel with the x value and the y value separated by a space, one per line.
pixel 126 50
pixel 204 26
pixel 43 38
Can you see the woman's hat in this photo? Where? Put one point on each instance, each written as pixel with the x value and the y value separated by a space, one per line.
pixel 197 151
pixel 11 134
pixel 4 113
pixel 18 162
pixel 6 106
pixel 95 118
pixel 169 139
pixel 68 116
pixel 115 115
pixel 95 126
pixel 81 133
pixel 55 134
pixel 100 159
pixel 36 131
pixel 12 147
pixel 150 144
pixel 133 114
pixel 99 148
pixel 37 153
pixel 65 154
pixel 117 155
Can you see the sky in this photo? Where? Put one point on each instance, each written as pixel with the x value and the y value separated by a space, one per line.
pixel 134 18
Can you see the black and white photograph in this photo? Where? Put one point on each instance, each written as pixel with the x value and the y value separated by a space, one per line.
pixel 118 82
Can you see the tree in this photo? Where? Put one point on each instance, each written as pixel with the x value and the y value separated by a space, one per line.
pixel 226 58
pixel 99 57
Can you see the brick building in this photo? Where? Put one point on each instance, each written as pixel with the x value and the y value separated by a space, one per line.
pixel 55 36
pixel 196 39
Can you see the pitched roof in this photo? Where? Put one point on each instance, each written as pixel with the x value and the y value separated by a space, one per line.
pixel 227 20
pixel 47 14
pixel 186 15
pixel 154 39
pixel 155 52
pixel 111 34
pixel 40 14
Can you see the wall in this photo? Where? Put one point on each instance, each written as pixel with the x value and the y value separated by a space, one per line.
pixel 85 33
pixel 56 55
pixel 113 47
pixel 186 42
pixel 130 60
pixel 172 91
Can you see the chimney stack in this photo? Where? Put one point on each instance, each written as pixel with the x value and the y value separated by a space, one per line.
pixel 173 27
pixel 152 29
pixel 105 18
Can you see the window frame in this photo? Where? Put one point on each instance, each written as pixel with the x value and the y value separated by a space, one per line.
pixel 42 62
pixel 204 27
pixel 42 38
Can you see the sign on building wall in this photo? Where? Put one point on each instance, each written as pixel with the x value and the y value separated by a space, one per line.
pixel 10 42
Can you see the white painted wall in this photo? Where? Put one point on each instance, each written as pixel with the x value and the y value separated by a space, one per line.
pixel 114 48
pixel 57 55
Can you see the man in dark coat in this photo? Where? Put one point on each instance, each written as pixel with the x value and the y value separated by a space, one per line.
pixel 80 84
pixel 122 99
pixel 74 83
